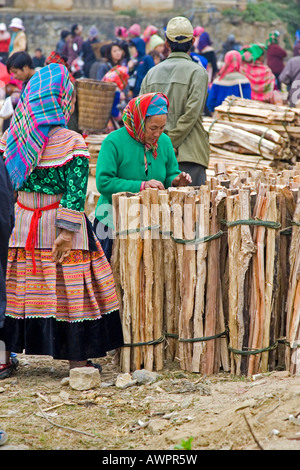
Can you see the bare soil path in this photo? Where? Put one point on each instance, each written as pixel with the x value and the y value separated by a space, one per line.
pixel 218 412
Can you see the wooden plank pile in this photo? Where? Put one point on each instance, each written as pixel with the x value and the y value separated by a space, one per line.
pixel 253 134
pixel 209 275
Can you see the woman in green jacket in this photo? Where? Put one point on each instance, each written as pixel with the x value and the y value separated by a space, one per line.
pixel 135 157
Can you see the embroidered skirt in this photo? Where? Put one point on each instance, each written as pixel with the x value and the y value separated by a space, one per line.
pixel 68 311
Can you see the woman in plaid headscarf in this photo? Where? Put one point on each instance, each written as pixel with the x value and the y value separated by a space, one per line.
pixel 135 157
pixel 230 82
pixel 61 298
pixel 261 77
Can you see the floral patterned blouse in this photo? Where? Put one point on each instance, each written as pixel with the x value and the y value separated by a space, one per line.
pixel 69 179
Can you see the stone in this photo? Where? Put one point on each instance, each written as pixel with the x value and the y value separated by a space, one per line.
pixel 65 381
pixel 144 376
pixel 125 381
pixel 64 396
pixel 84 378
pixel 107 384
pixel 282 374
pixel 157 425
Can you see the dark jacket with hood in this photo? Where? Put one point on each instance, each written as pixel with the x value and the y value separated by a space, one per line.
pixel 6 226
pixel 144 63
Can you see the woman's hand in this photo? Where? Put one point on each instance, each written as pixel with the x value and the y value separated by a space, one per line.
pixel 62 246
pixel 183 179
pixel 154 184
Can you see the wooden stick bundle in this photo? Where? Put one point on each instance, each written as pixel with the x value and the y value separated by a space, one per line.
pixel 174 283
pixel 252 134
pixel 293 298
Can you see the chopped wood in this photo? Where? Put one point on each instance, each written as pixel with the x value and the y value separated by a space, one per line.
pixel 245 280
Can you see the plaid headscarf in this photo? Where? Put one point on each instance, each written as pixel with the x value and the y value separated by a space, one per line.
pixel 119 75
pixel 273 38
pixel 45 102
pixel 55 58
pixel 135 114
pixel 261 79
pixel 232 63
pixel 149 31
pixel 252 52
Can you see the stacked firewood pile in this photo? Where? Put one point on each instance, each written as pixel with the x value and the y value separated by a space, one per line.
pixel 209 275
pixel 253 134
pixel 94 142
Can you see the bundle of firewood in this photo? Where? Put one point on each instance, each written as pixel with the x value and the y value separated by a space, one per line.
pixel 209 275
pixel 253 134
pixel 166 282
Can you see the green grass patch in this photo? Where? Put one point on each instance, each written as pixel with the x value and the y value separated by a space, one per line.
pixel 287 11
pixel 132 13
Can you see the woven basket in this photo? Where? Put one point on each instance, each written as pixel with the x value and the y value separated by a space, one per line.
pixel 95 100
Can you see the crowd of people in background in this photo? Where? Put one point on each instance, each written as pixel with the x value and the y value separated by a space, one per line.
pixel 254 71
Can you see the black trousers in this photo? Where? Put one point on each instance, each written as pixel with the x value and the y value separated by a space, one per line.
pixel 6 226
pixel 196 171
pixel 104 235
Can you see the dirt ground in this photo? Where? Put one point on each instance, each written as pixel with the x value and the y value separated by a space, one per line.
pixel 221 412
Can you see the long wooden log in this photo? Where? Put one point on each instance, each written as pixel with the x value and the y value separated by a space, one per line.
pixel 286 130
pixel 259 287
pixel 126 317
pixel 293 298
pixel 253 128
pixel 220 134
pixel 277 329
pixel 188 279
pixel 213 286
pixel 115 257
pixel 202 221
pixel 148 333
pixel 248 103
pixel 234 237
pixel 134 255
pixel 269 278
pixel 247 249
pixel 158 279
pixel 177 198
pixel 241 159
pixel 169 270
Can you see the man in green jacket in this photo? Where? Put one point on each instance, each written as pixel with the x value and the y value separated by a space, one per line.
pixel 185 83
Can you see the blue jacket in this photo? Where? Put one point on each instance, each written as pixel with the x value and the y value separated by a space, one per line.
pixel 144 63
pixel 233 84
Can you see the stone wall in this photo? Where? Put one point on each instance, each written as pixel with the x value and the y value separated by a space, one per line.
pixel 111 5
pixel 43 27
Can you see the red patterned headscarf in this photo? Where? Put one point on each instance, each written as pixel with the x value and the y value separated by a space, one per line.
pixel 232 63
pixel 118 75
pixel 135 113
pixel 55 58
